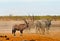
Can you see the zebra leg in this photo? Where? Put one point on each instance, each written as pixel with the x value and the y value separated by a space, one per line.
pixel 43 30
pixel 29 29
pixel 36 30
pixel 47 29
pixel 39 30
pixel 13 31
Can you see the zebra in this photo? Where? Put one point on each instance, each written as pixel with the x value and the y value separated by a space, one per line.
pixel 42 25
pixel 19 27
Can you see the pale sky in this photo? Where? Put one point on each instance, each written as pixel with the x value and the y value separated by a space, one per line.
pixel 27 0
pixel 32 7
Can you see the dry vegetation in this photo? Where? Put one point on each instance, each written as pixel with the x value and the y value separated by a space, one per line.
pixel 6 22
pixel 8 18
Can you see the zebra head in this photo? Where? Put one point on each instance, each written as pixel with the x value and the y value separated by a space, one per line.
pixel 48 23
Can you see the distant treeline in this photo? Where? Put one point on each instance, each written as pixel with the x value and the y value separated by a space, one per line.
pixel 27 17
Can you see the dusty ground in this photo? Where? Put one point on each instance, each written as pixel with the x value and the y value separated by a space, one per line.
pixel 6 26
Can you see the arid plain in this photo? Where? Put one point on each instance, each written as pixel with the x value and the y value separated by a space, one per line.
pixel 6 32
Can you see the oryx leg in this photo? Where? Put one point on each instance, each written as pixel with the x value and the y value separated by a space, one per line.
pixel 13 31
pixel 21 31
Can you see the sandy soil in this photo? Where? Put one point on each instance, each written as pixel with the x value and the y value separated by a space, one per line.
pixel 6 26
